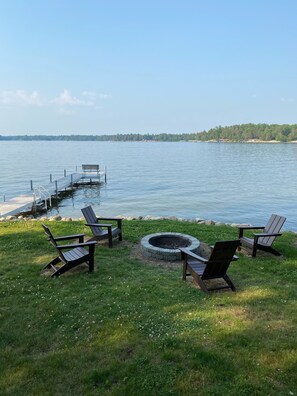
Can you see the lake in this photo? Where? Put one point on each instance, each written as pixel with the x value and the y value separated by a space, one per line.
pixel 228 182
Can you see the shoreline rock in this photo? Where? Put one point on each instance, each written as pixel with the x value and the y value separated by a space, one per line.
pixel 196 220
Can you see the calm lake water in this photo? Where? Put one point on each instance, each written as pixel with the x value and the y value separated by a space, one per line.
pixel 228 182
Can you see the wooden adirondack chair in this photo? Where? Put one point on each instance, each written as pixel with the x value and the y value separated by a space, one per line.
pixel 96 227
pixel 215 267
pixel 70 255
pixel 263 241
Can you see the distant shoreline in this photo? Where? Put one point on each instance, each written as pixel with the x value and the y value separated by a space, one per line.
pixel 81 138
pixel 256 141
pixel 244 133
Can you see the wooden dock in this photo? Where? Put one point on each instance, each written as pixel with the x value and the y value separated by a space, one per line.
pixel 26 202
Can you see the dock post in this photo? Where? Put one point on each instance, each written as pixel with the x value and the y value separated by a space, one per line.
pixel 4 198
pixel 76 169
pixel 51 178
pixel 105 177
pixel 31 184
pixel 34 203
pixel 71 180
pixel 56 182
pixel 64 172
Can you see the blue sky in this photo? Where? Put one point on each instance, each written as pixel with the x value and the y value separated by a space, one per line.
pixel 107 66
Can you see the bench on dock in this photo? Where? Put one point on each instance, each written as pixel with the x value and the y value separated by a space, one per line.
pixel 86 168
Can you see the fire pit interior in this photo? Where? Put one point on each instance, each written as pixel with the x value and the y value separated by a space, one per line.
pixel 170 242
pixel 165 245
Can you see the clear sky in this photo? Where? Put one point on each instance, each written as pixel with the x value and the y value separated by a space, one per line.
pixel 166 66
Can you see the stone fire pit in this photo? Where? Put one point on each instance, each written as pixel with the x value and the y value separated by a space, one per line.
pixel 165 245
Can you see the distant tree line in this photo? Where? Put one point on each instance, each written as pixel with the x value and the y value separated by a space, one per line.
pixel 244 132
pixel 235 133
pixel 129 137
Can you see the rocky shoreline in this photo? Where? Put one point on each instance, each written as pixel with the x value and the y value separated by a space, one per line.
pixel 196 220
pixel 128 218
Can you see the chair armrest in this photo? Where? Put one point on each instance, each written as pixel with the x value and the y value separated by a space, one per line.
pixel 250 227
pixel 117 219
pixel 110 218
pixel 98 225
pixel 61 238
pixel 60 247
pixel 266 235
pixel 188 252
pixel 242 228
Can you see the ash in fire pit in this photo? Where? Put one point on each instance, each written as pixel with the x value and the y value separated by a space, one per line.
pixel 169 242
pixel 165 245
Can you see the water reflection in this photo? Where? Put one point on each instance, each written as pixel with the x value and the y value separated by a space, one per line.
pixel 77 198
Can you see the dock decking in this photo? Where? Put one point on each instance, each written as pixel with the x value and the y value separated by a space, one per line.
pixel 26 201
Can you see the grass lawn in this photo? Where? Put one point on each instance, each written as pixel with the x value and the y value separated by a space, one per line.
pixel 133 328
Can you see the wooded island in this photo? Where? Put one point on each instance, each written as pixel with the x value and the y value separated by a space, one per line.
pixel 235 133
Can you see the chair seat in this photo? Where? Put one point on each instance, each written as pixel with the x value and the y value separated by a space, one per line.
pixel 250 242
pixel 196 266
pixel 101 232
pixel 75 254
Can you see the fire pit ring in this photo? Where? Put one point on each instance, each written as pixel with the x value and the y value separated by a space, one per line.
pixel 165 245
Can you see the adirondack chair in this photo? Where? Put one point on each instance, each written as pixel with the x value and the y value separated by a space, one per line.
pixel 215 267
pixel 70 255
pixel 96 227
pixel 263 241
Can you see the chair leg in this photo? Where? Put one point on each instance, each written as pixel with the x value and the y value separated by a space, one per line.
pixel 200 282
pixel 254 250
pixel 110 240
pixel 91 263
pixel 229 282
pixel 120 236
pixel 66 267
pixel 184 270
pixel 273 251
pixel 52 263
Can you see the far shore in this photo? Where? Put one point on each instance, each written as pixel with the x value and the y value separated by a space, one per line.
pixel 244 141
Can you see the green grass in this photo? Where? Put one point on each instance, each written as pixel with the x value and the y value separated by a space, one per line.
pixel 131 328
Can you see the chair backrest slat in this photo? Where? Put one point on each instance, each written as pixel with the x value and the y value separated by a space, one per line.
pixel 220 259
pixel 273 226
pixel 91 218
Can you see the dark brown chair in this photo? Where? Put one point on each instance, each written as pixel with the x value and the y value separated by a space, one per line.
pixel 263 241
pixel 73 255
pixel 215 267
pixel 96 227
